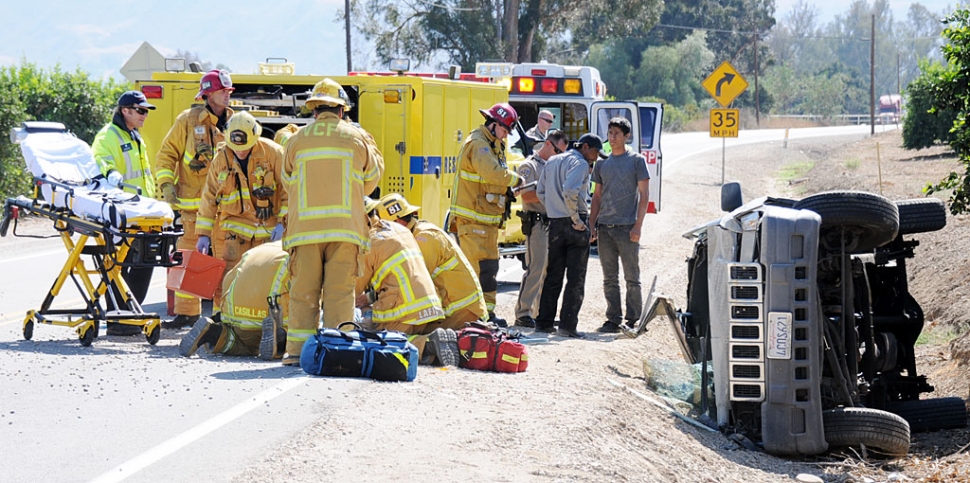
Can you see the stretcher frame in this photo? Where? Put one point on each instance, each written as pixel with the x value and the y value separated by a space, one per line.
pixel 108 246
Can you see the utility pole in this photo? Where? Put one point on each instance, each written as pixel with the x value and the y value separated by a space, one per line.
pixel 872 78
pixel 347 28
pixel 899 89
pixel 757 99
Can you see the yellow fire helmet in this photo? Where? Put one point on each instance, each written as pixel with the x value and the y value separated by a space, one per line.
pixel 394 206
pixel 242 131
pixel 370 204
pixel 328 92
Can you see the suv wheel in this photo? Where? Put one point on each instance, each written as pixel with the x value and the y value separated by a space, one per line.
pixel 882 431
pixel 874 219
pixel 932 414
pixel 921 215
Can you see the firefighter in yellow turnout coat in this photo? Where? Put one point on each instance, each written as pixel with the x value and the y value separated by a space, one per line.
pixel 454 279
pixel 182 165
pixel 328 168
pixel 480 197
pixel 241 329
pixel 244 195
pixel 396 283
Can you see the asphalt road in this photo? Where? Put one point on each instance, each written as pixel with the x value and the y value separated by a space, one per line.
pixel 125 410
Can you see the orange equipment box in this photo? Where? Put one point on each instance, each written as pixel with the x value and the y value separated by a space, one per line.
pixel 199 274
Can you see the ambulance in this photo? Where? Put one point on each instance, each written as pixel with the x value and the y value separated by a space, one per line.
pixel 576 95
pixel 418 122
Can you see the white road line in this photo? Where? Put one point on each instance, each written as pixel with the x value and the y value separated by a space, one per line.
pixel 142 461
pixel 33 255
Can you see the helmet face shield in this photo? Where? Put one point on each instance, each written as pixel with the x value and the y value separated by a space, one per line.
pixel 242 131
pixel 238 137
pixel 224 79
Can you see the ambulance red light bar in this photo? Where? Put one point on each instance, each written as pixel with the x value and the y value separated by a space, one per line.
pixel 546 86
pixel 152 92
pixel 549 86
pixel 538 72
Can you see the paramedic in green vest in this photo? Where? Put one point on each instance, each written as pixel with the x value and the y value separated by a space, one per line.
pixel 122 156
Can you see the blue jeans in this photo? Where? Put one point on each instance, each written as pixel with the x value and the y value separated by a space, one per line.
pixel 614 246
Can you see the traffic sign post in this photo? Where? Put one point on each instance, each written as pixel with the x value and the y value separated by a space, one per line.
pixel 725 84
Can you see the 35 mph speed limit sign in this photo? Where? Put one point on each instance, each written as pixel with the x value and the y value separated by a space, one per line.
pixel 724 123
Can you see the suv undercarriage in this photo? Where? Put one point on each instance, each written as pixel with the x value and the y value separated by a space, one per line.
pixel 802 308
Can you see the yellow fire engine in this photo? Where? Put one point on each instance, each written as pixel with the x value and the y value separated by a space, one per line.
pixel 418 122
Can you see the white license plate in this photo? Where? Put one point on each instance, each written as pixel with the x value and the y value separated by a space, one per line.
pixel 779 335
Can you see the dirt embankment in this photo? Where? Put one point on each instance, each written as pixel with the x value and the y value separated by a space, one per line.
pixel 565 420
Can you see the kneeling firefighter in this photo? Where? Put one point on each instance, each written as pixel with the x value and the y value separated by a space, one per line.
pixel 397 285
pixel 254 309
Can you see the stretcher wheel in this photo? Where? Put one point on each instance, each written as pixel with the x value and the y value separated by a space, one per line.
pixel 154 335
pixel 88 336
pixel 29 329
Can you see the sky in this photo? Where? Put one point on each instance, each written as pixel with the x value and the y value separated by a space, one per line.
pixel 101 35
pixel 828 9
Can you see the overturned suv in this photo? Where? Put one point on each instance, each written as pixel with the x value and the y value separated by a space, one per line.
pixel 803 311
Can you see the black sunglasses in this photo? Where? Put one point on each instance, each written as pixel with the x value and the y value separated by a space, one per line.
pixel 140 110
pixel 544 119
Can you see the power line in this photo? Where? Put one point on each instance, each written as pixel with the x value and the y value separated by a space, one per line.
pixel 769 33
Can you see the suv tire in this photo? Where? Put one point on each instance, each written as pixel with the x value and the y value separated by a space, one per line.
pixel 882 431
pixel 932 414
pixel 921 215
pixel 875 217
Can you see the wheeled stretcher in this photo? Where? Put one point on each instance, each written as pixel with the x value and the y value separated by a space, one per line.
pixel 114 227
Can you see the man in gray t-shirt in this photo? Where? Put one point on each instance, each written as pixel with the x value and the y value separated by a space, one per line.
pixel 616 219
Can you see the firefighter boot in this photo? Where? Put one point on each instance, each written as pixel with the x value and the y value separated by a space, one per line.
pixel 180 321
pixel 272 344
pixel 205 331
pixel 500 322
pixel 443 344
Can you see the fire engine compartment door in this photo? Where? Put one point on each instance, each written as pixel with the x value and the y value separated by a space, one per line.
pixel 384 115
pixel 645 120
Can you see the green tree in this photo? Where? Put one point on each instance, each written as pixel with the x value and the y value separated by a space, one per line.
pixel 951 91
pixel 674 73
pixel 924 125
pixel 464 32
pixel 28 93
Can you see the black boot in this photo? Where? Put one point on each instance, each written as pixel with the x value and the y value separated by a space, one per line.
pixel 496 320
pixel 180 321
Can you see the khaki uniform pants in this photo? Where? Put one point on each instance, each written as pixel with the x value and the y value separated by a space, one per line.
pixel 186 304
pixel 327 269
pixel 536 256
pixel 418 334
pixel 233 249
pixel 458 319
pixel 236 341
pixel 480 243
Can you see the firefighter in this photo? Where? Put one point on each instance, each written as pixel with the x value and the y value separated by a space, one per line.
pixel 122 156
pixel 182 166
pixel 253 312
pixel 481 195
pixel 397 286
pixel 243 193
pixel 454 279
pixel 284 133
pixel 328 168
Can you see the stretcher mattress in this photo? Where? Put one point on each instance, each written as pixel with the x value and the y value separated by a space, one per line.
pixel 62 158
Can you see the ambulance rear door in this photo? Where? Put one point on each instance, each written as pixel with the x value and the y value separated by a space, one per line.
pixel 646 121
